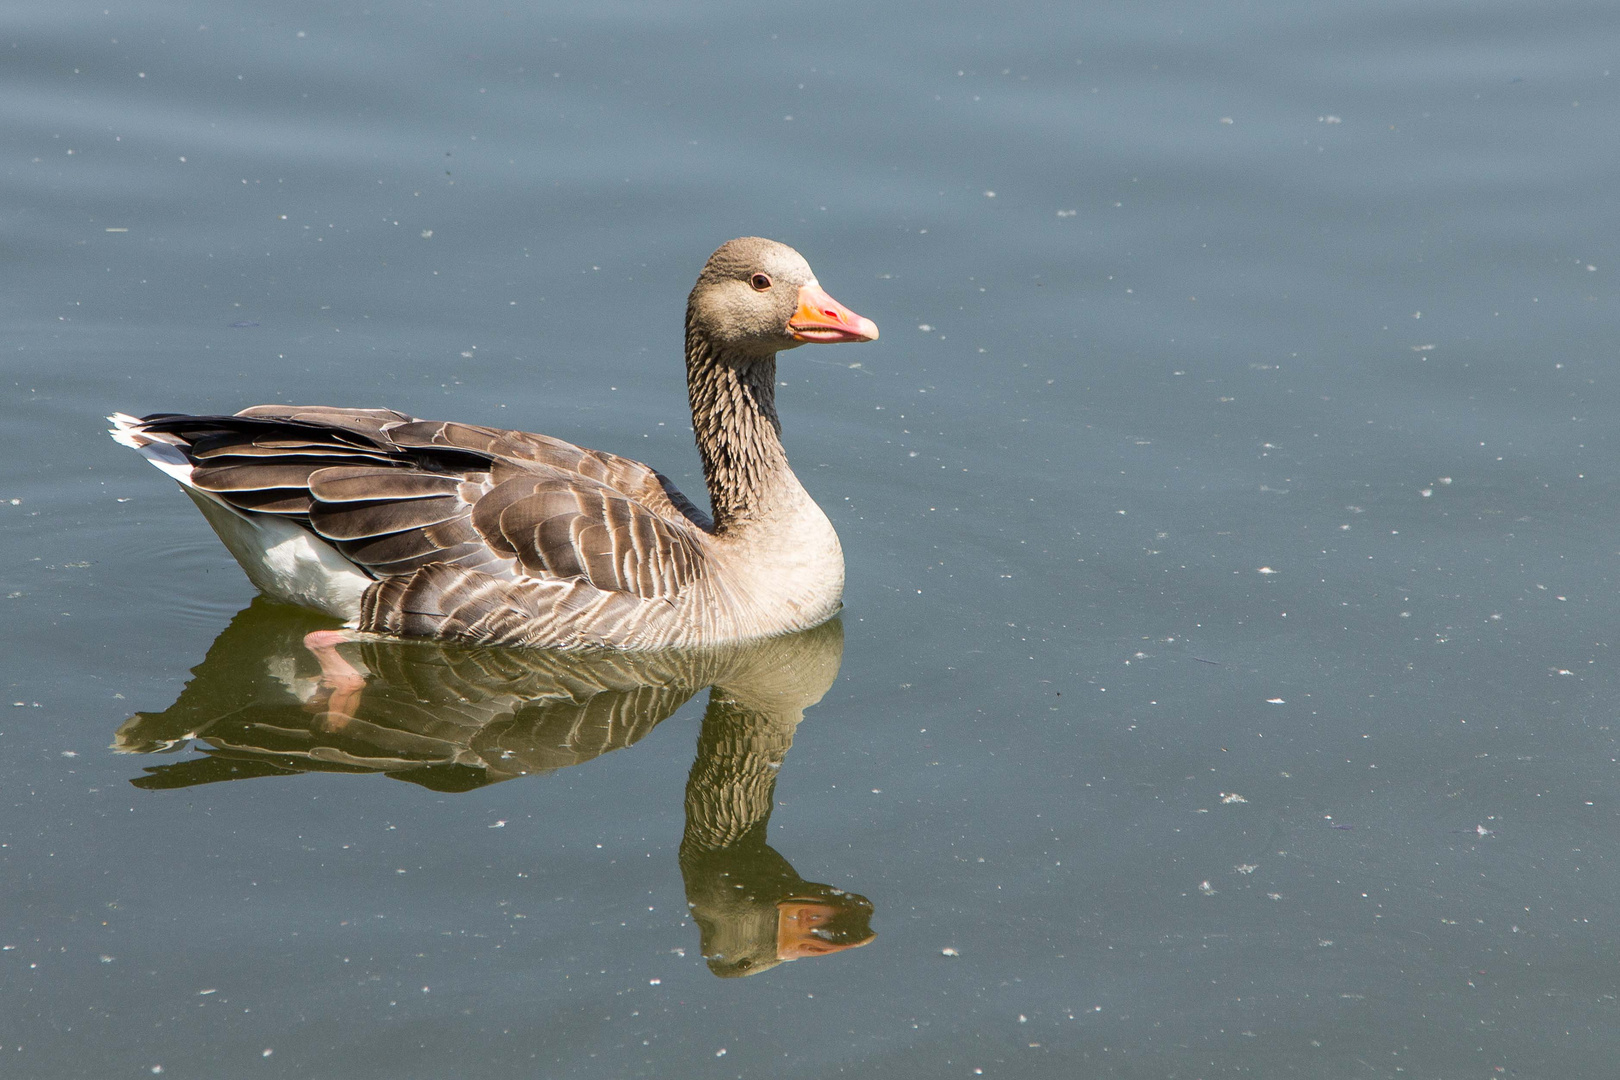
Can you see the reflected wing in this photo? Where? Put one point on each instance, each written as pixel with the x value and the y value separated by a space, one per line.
pixel 450 717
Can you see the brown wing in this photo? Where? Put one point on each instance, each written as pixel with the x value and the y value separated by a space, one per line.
pixel 560 525
pixel 626 476
pixel 395 494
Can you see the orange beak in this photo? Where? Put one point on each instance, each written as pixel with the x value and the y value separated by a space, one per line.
pixel 799 926
pixel 822 319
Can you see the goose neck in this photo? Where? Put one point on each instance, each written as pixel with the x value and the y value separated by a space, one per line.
pixel 738 434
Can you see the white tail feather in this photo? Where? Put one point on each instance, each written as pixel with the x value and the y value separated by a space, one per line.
pixel 285 560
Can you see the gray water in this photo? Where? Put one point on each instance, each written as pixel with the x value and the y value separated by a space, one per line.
pixel 1225 681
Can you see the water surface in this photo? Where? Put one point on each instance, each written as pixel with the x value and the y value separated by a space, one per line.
pixel 1226 677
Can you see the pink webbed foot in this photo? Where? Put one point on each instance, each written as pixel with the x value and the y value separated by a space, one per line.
pixel 342 683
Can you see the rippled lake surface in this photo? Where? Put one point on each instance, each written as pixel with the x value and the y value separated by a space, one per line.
pixel 1227 680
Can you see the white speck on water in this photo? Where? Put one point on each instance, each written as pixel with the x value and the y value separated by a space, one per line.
pixel 1246 868
pixel 70 753
pixel 1426 492
pixel 720 1052
pixel 948 951
pixel 427 234
pixel 924 327
pixel 1230 797
pixel 1265 570
pixel 1275 701
pixel 501 824
pixel 989 194
pixel 1067 213
pixel 266 1052
pixel 205 993
pixel 1206 889
pixel 1227 120
pixel 654 982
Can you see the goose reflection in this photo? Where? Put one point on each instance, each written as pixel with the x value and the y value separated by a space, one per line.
pixel 454 718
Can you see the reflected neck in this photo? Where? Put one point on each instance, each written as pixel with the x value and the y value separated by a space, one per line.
pixel 729 790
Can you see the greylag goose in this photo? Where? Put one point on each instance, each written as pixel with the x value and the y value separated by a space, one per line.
pixel 422 528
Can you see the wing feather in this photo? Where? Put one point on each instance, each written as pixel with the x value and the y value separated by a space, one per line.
pixel 254 477
pixel 361 520
pixel 472 532
pixel 590 531
pixel 412 543
pixel 349 484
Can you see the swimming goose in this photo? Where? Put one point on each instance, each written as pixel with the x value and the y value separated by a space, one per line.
pixel 423 528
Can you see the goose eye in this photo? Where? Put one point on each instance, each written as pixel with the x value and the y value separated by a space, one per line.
pixel 760 282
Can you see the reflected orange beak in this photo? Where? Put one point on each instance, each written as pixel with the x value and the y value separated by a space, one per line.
pixel 797 922
pixel 822 319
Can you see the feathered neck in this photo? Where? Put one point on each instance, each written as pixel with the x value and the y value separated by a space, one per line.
pixel 738 434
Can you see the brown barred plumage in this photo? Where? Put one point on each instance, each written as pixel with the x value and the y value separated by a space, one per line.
pixel 486 535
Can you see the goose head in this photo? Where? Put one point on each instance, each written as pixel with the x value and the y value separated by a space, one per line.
pixel 757 297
